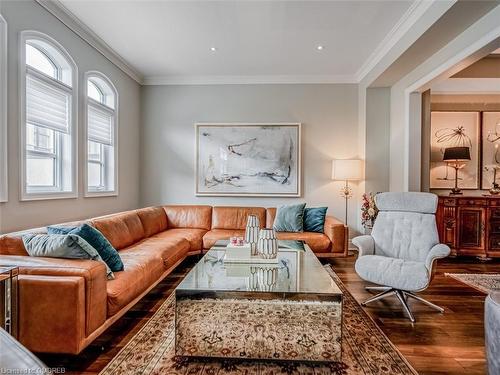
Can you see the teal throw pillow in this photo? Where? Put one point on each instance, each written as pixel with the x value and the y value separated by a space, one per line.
pixel 290 218
pixel 314 219
pixel 95 239
pixel 68 246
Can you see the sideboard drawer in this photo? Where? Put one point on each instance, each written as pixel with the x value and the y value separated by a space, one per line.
pixel 495 227
pixel 472 202
pixel 495 242
pixel 495 214
pixel 449 201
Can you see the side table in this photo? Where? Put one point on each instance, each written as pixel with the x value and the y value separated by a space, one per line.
pixel 9 299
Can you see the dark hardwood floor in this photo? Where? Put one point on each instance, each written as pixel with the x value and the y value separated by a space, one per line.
pixel 449 343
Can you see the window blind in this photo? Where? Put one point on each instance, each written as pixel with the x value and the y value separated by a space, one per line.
pixel 46 105
pixel 100 125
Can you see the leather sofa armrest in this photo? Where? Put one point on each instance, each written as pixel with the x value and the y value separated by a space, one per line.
pixel 62 274
pixel 337 232
pixel 52 313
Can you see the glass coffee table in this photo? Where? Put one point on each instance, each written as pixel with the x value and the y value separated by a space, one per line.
pixel 288 310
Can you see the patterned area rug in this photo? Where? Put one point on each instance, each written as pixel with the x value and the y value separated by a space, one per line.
pixel 484 282
pixel 365 350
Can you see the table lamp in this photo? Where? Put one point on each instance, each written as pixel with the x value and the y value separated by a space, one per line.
pixel 347 170
pixel 456 157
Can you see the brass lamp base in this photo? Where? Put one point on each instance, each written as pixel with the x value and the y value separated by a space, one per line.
pixel 456 191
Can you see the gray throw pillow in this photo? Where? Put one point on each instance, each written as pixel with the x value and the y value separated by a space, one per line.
pixel 68 246
pixel 289 218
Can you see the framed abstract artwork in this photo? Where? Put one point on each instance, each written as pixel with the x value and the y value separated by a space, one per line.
pixel 454 129
pixel 248 159
pixel 490 149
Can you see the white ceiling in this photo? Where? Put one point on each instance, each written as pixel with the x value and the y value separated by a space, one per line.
pixel 170 41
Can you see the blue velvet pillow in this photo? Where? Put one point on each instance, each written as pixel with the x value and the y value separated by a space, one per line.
pixel 97 240
pixel 68 246
pixel 289 218
pixel 314 219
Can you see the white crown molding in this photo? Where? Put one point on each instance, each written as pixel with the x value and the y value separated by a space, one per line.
pixel 248 80
pixel 63 14
pixel 409 18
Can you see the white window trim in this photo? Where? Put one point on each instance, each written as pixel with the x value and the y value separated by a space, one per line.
pixel 4 193
pixel 26 196
pixel 107 193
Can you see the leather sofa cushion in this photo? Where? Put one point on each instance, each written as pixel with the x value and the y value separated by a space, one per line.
pixel 12 245
pixel 270 215
pixel 212 236
pixel 189 216
pixel 162 247
pixel 144 262
pixel 318 242
pixel 236 217
pixel 192 235
pixel 153 219
pixel 121 229
pixel 141 270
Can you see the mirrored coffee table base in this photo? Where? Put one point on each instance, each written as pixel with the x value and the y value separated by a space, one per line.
pixel 289 311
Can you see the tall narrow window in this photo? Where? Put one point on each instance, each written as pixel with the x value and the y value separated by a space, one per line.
pixel 102 122
pixel 3 110
pixel 48 119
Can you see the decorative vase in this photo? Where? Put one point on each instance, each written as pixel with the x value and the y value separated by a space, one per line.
pixel 252 233
pixel 253 280
pixel 267 246
pixel 267 277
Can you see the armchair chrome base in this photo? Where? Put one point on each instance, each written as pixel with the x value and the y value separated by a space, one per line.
pixel 402 296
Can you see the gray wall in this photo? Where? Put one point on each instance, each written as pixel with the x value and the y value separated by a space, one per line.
pixel 328 114
pixel 378 119
pixel 28 15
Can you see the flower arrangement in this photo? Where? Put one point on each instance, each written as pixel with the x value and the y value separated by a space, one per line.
pixel 369 210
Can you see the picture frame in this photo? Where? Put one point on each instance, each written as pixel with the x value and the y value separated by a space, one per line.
pixel 248 159
pixel 454 129
pixel 490 153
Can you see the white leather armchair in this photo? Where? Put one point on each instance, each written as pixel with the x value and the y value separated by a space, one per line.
pixel 399 254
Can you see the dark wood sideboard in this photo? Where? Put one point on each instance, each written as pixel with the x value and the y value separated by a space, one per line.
pixel 470 225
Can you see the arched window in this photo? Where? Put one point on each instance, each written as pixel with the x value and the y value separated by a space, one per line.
pixel 48 118
pixel 102 124
pixel 3 110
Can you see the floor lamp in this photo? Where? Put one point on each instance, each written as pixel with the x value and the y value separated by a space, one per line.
pixel 347 170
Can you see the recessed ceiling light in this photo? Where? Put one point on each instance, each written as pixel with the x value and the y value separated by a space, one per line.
pixel 319 48
pixel 213 49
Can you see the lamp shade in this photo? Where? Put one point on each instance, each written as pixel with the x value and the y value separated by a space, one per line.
pixel 351 169
pixel 456 154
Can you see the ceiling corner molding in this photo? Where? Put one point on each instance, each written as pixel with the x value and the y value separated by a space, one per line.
pixel 409 18
pixel 249 80
pixel 63 14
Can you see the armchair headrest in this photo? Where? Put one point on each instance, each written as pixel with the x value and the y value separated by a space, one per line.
pixel 425 203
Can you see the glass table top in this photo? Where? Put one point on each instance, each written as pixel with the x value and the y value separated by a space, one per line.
pixel 298 271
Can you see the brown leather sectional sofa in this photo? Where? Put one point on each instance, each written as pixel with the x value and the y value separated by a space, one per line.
pixel 65 304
